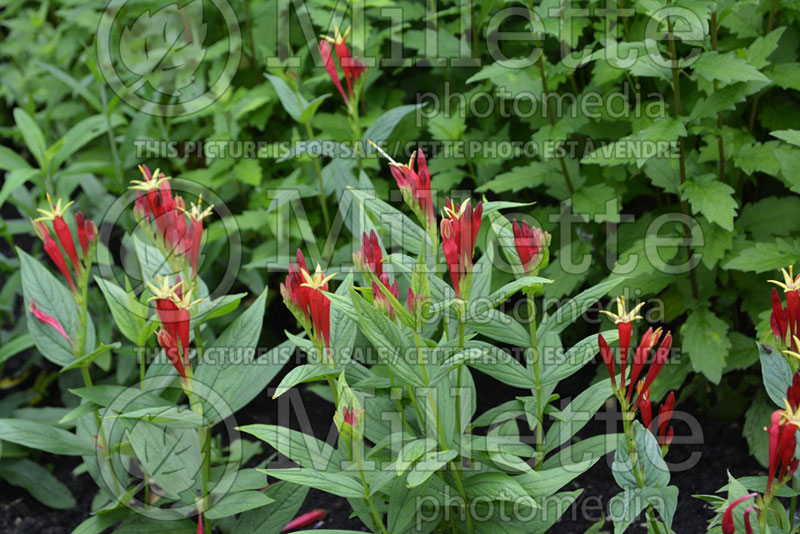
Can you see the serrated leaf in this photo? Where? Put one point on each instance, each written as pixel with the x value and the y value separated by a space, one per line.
pixel 704 338
pixel 726 68
pixel 711 198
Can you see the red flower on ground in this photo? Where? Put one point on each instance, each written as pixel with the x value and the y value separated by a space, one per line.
pixel 459 229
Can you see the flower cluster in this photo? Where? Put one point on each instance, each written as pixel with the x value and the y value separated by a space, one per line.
pixel 352 67
pixel 459 228
pixel 303 294
pixel 624 390
pixel 174 305
pixel 179 230
pixel 369 259
pixel 530 244
pixel 785 321
pixel 87 233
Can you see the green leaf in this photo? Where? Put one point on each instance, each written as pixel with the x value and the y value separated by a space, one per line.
pixel 15 346
pixel 569 311
pixel 334 483
pixel 379 131
pixel 16 179
pixel 44 437
pixel 712 198
pixel 754 422
pixel 411 452
pixel 302 374
pixel 775 372
pixel 427 466
pixel 248 171
pixel 726 68
pixel 292 102
pixel 650 461
pixel 178 417
pixel 54 299
pixel 11 161
pixel 236 503
pixel 498 364
pixel 128 320
pixel 790 136
pixel 518 178
pixel 32 135
pixel 171 456
pixel 235 374
pixel 638 147
pixel 763 257
pixel 38 481
pixel 725 99
pixel 577 414
pixel 762 47
pixel 705 339
pixel 785 75
pixel 548 481
pixel 299 447
pixel 771 216
pixel 626 506
pixel 81 134
pixel 88 359
pixel 557 367
pixel 287 499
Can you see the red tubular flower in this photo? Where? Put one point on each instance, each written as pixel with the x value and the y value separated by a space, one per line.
pixel 624 321
pixel 793 392
pixel 380 300
pixel 303 295
pixel 167 342
pixel 779 318
pixel 748 529
pixel 62 231
pixel 293 292
pixel 728 526
pixel 305 520
pixel 195 232
pixel 49 320
pixel 791 287
pixel 665 432
pixel 782 442
pixel 327 59
pixel 459 229
pixel 160 204
pixel 658 363
pixel 645 409
pixel 648 341
pixel 174 312
pixel 414 181
pixel 529 243
pixel 608 358
pixel 370 255
pixel 52 250
pixel 352 68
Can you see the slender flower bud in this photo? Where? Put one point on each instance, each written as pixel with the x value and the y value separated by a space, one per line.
pixel 48 320
pixel 379 300
pixel 352 68
pixel 325 52
pixel 54 252
pixel 370 257
pixel 782 443
pixel 728 526
pixel 608 358
pixel 645 409
pixel 414 302
pixel 748 529
pixel 664 416
pixel 174 312
pixel 195 232
pixel 791 287
pixel 658 363
pixel 646 344
pixel 624 321
pixel 167 342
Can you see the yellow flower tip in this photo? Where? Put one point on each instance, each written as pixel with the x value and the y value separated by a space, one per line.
pixel 56 210
pixel 790 416
pixel 317 280
pixel 790 281
pixel 622 315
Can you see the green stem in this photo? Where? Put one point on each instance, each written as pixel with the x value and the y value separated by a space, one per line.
pixel 367 498
pixel 676 89
pixel 112 144
pixel 322 198
pixel 538 382
pixel 793 504
pixel 770 21
pixel 720 141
